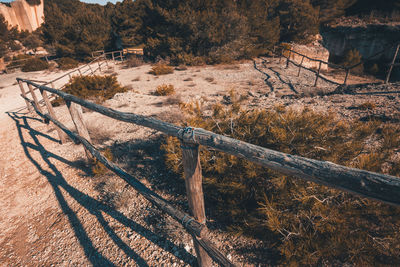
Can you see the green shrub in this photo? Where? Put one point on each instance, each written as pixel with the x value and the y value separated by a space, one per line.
pixel 164 89
pixel 66 63
pixel 308 223
pixel 34 64
pixel 161 69
pixel 97 88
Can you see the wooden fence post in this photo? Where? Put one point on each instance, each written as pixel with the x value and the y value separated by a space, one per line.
pixel 287 61
pixel 98 62
pixel 61 134
pixel 300 66
pixel 91 69
pixel 34 97
pixel 347 75
pixel 120 53
pixel 319 69
pixel 21 86
pixel 76 114
pixel 391 65
pixel 194 191
pixel 112 55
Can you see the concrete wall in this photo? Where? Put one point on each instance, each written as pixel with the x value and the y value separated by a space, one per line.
pixel 23 15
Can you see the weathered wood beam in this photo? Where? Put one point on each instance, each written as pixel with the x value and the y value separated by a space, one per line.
pixel 194 192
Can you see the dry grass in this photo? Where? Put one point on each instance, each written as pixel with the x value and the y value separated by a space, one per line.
pixel 306 222
pixel 161 69
pixel 164 90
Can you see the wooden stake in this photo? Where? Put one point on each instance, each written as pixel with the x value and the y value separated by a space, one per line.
pixel 301 64
pixel 287 61
pixel 76 114
pixel 80 73
pixel 61 134
pixel 120 53
pixel 316 78
pixel 113 58
pixel 34 97
pixel 391 65
pixel 21 86
pixel 347 75
pixel 98 62
pixel 194 191
pixel 91 69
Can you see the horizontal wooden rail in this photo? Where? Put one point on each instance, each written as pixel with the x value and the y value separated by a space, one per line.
pixel 381 187
pixel 189 223
pixel 314 71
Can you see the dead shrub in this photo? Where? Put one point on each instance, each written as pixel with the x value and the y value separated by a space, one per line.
pixel 209 79
pixel 367 106
pixel 133 62
pixel 310 224
pixel 161 69
pixel 164 90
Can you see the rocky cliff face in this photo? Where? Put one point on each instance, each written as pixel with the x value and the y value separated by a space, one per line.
pixel 23 15
pixel 367 39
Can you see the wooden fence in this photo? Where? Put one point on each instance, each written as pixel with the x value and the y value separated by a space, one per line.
pixel 384 188
pixel 347 69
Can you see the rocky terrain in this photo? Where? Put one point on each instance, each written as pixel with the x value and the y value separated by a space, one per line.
pixel 55 213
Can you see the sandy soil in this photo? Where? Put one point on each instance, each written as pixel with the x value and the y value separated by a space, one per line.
pixel 54 213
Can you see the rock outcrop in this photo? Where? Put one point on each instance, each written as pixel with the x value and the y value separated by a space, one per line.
pixel 23 15
pixel 313 50
pixel 368 39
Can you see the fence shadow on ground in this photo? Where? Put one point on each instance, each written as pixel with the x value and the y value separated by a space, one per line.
pixel 144 158
pixel 93 206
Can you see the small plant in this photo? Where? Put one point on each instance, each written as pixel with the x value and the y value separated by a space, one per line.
pixel 352 58
pixel 34 64
pixel 374 69
pixel 367 105
pixel 161 69
pixel 66 63
pixel 97 167
pixel 164 89
pixel 133 62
